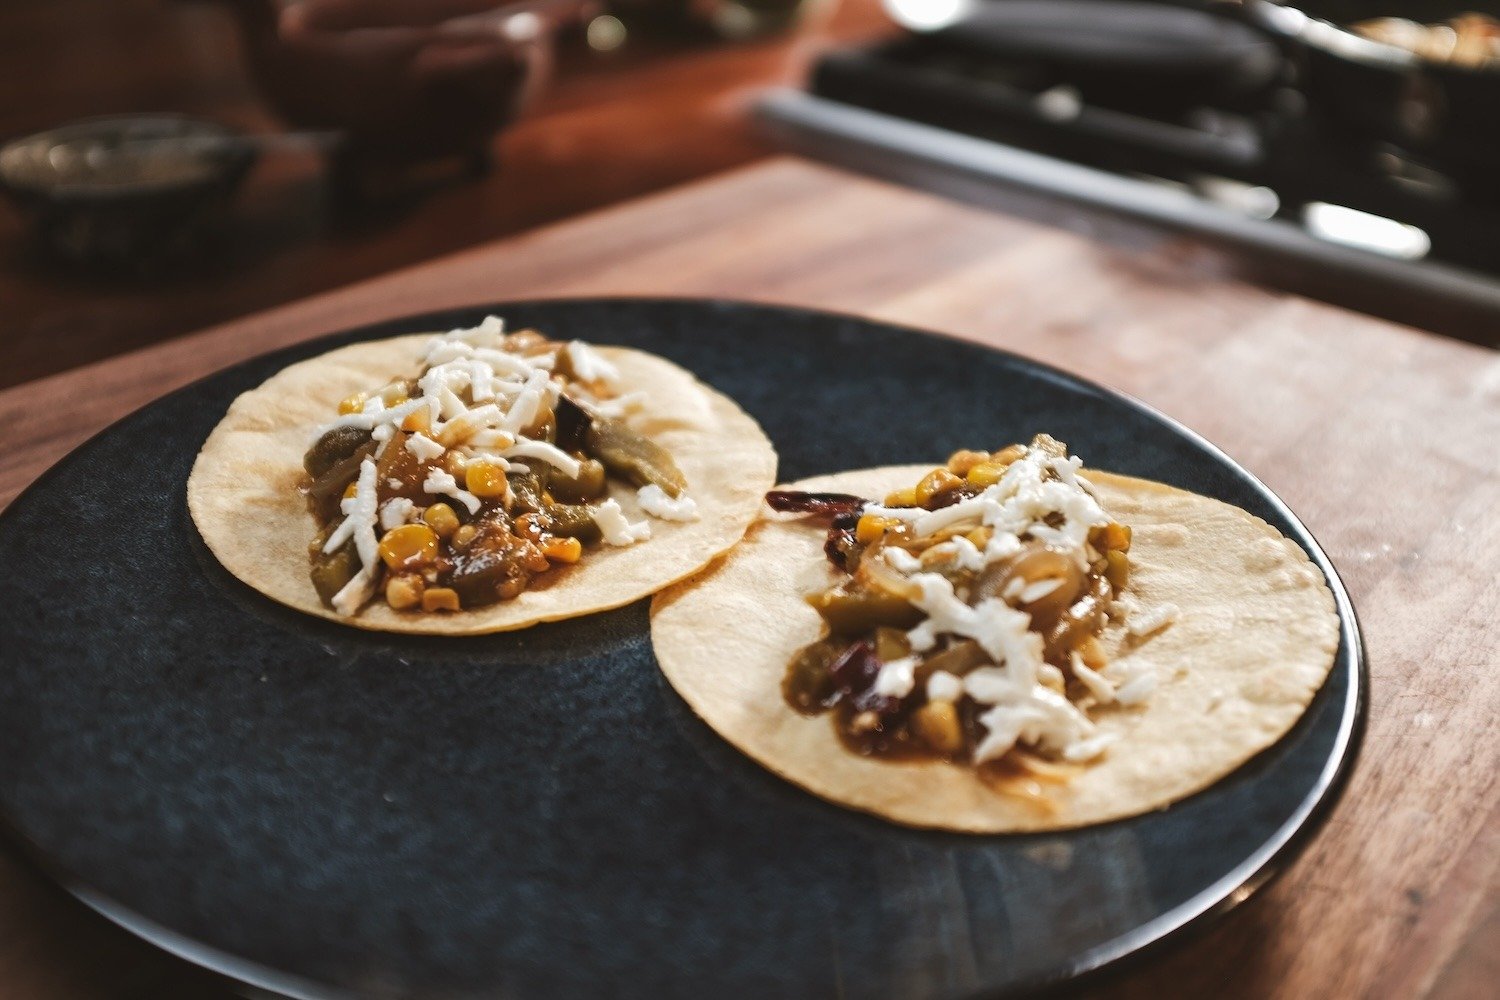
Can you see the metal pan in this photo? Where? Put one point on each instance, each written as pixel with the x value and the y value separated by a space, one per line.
pixel 1136 53
pixel 1443 113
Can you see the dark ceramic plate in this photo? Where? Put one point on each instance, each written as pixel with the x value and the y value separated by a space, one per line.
pixel 321 810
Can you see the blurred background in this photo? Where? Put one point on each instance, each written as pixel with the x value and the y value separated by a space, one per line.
pixel 170 164
pixel 275 150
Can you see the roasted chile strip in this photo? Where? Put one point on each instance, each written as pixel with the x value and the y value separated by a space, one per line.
pixel 333 448
pixel 842 508
pixel 948 498
pixel 855 668
pixel 573 424
pixel 827 504
pixel 854 674
pixel 633 457
pixel 841 543
pixel 324 493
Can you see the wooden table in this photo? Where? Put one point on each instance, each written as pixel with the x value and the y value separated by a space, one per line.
pixel 1381 437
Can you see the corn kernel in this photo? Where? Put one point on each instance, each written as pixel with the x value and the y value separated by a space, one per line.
pixel 935 482
pixel 464 535
pixel 1117 572
pixel 485 480
pixel 1008 454
pixel 350 490
pixel 408 546
pixel 402 592
pixel 980 537
pixel 960 462
pixel 563 550
pixel 454 464
pixel 440 599
pixel 455 432
pixel 937 723
pixel 524 340
pixel 394 394
pixel 872 527
pixel 441 519
pixel 1117 536
pixel 902 498
pixel 352 404
pixel 417 421
pixel 985 474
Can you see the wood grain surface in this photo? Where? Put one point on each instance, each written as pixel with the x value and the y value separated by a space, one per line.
pixel 1381 437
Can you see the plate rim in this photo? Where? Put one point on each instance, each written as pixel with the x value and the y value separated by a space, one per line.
pixel 1092 967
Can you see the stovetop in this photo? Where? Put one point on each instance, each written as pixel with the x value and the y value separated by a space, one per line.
pixel 1262 154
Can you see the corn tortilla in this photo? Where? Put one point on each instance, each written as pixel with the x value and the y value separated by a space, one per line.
pixel 244 489
pixel 1253 640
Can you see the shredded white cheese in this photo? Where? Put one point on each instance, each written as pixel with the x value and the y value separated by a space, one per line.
pixel 943 686
pixel 901 560
pixel 544 452
pixel 463 425
pixel 615 527
pixel 356 592
pixel 966 555
pixel 395 512
pixel 1102 690
pixel 359 516
pixel 480 401
pixel 589 366
pixel 1039 497
pixel 358 524
pixel 619 406
pixel 443 483
pixel 424 448
pixel 528 402
pixel 1146 622
pixel 897 678
pixel 654 501
pixel 491 439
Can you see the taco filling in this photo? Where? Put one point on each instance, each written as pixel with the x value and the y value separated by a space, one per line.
pixel 474 480
pixel 966 619
pixel 1005 643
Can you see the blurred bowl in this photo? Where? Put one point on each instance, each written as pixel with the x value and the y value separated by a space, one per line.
pixel 406 91
pixel 124 191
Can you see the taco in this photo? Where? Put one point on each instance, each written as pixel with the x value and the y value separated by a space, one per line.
pixel 1004 643
pixel 475 481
